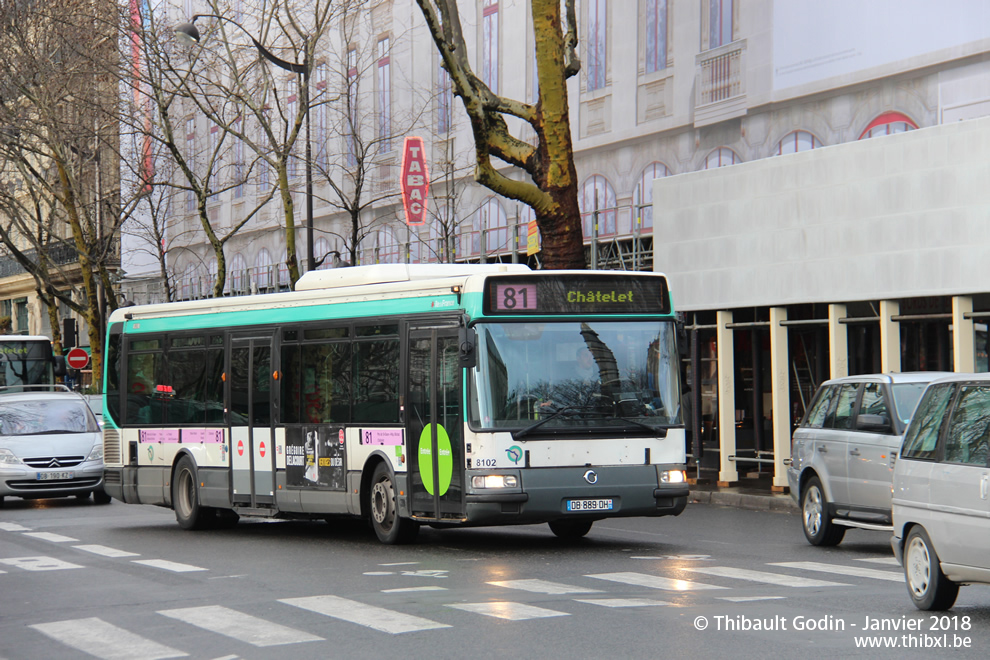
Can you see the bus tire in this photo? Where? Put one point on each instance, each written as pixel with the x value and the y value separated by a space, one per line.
pixel 570 529
pixel 185 497
pixel 389 527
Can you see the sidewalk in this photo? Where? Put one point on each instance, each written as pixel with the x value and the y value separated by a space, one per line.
pixel 755 495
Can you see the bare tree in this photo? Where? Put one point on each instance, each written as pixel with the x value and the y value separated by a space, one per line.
pixel 552 188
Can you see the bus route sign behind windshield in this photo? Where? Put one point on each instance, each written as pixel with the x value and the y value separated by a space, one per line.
pixel 570 294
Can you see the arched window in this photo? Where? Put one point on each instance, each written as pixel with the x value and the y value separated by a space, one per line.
pixel 643 195
pixel 438 248
pixel 322 250
pixel 211 277
pixel 237 274
pixel 796 141
pixel 526 216
pixel 887 124
pixel 263 270
pixel 490 220
pixel 186 290
pixel 388 248
pixel 721 157
pixel 597 194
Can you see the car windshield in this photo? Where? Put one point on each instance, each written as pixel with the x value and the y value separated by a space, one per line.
pixel 548 377
pixel 906 396
pixel 46 417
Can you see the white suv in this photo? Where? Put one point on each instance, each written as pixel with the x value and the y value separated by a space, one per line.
pixel 843 451
pixel 50 445
pixel 942 492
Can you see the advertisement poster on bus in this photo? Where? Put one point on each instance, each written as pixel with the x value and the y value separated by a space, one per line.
pixel 314 457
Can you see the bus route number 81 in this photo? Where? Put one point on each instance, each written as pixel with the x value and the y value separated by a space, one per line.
pixel 509 298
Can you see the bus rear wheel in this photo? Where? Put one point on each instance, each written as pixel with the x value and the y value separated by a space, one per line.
pixel 389 527
pixel 185 497
pixel 570 529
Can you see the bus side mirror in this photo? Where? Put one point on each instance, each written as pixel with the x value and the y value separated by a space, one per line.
pixel 59 366
pixel 467 356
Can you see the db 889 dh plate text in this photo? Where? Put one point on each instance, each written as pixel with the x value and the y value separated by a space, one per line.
pixel 589 505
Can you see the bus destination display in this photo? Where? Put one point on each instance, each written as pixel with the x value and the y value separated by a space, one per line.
pixel 577 294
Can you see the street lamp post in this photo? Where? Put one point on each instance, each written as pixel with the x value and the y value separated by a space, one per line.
pixel 188 33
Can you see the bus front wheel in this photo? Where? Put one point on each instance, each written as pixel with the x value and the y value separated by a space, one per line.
pixel 570 529
pixel 389 527
pixel 185 497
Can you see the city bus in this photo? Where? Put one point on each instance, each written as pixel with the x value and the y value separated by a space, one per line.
pixel 446 395
pixel 28 360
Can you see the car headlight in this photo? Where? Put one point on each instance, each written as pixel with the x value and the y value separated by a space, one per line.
pixel 7 457
pixel 96 454
pixel 494 481
pixel 672 477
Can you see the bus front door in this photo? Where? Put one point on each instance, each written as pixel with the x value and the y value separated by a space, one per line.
pixel 434 423
pixel 252 446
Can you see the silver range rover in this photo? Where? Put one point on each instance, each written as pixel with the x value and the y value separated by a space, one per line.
pixel 843 452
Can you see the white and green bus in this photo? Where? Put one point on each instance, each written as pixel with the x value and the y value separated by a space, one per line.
pixel 448 395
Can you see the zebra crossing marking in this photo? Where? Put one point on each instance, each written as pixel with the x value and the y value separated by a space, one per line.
pixel 543 587
pixel 105 641
pixel 39 563
pixel 622 602
pixel 508 610
pixel 653 581
pixel 378 618
pixel 837 569
pixel 239 626
pixel 167 565
pixel 887 561
pixel 408 589
pixel 50 536
pixel 748 599
pixel 13 527
pixel 760 576
pixel 104 551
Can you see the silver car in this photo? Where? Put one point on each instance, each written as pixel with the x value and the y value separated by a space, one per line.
pixel 941 501
pixel 50 445
pixel 843 452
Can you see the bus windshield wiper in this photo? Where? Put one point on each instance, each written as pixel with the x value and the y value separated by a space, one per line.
pixel 556 413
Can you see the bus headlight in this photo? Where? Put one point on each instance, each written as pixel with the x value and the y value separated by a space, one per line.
pixel 494 481
pixel 672 477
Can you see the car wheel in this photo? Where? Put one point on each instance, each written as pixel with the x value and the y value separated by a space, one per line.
pixel 570 529
pixel 101 497
pixel 390 528
pixel 818 526
pixel 185 498
pixel 927 585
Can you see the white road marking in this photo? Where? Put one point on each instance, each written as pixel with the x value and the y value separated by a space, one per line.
pixel 239 626
pixel 167 565
pixel 13 527
pixel 855 571
pixel 377 618
pixel 623 602
pixel 49 536
pixel 39 563
pixel 543 587
pixel 760 576
pixel 654 581
pixel 408 589
pixel 508 610
pixel 104 551
pixel 401 563
pixel 103 640
pixel 748 599
pixel 887 561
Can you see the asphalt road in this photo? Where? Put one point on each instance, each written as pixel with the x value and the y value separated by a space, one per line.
pixel 78 580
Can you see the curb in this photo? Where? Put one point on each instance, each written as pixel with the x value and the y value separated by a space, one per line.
pixel 775 503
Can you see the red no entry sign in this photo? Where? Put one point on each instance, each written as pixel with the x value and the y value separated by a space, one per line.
pixel 77 358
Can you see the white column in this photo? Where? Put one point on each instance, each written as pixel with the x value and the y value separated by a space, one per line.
pixel 963 335
pixel 780 387
pixel 838 343
pixel 727 474
pixel 890 337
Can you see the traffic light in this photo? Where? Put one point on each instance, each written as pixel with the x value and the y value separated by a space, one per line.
pixel 68 332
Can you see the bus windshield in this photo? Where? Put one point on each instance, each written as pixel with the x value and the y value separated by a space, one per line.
pixel 554 376
pixel 25 361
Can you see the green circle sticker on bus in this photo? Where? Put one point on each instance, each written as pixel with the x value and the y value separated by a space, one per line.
pixel 445 459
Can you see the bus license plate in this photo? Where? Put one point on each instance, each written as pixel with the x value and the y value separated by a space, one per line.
pixel 589 505
pixel 49 476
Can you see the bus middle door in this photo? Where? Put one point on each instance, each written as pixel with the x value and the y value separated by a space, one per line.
pixel 434 423
pixel 252 440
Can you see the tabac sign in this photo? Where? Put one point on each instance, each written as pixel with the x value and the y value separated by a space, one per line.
pixel 415 181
